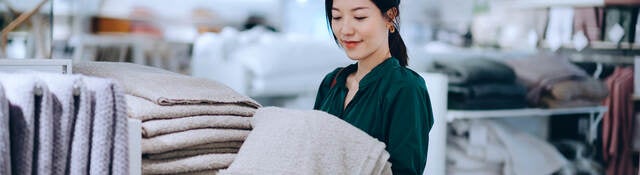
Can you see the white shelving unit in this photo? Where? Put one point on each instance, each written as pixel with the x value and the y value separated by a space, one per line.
pixel 533 4
pixel 528 112
pixel 596 114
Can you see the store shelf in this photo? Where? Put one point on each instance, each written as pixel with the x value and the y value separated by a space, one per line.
pixel 527 112
pixel 538 4
pixel 602 58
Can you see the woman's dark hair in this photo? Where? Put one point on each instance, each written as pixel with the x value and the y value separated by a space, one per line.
pixel 396 44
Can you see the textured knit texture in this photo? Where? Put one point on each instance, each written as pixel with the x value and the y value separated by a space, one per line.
pixel 186 165
pixel 120 161
pixel 163 126
pixel 236 144
pixel 5 142
pixel 19 90
pixel 307 142
pixel 81 137
pixel 190 138
pixel 44 130
pixel 189 152
pixel 62 87
pixel 144 110
pixel 102 127
pixel 163 87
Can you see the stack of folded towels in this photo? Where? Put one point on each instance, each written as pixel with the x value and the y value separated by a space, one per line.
pixel 189 125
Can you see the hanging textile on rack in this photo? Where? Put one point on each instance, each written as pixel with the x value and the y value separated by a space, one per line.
pixel 60 126
pixel 617 124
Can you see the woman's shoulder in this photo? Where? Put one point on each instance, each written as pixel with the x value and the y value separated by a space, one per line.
pixel 406 78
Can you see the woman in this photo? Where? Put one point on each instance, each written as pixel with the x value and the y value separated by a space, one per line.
pixel 378 94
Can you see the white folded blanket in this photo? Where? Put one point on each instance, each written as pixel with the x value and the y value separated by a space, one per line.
pixel 164 126
pixel 144 110
pixel 191 138
pixel 287 141
pixel 193 164
pixel 162 87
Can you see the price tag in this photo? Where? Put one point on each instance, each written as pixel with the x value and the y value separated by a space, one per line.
pixel 616 33
pixel 580 41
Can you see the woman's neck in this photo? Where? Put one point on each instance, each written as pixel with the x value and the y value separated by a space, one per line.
pixel 366 65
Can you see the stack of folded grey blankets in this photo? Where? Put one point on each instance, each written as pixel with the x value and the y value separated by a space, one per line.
pixel 189 125
pixel 62 124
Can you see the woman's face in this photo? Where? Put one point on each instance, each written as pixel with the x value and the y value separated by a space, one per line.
pixel 360 28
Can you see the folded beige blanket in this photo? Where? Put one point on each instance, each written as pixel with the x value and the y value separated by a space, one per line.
pixel 164 88
pixel 206 172
pixel 287 141
pixel 164 126
pixel 235 144
pixel 144 110
pixel 189 153
pixel 190 138
pixel 195 164
pixel 588 89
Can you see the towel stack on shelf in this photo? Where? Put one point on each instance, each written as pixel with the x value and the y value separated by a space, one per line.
pixel 190 125
pixel 556 83
pixel 480 83
pixel 62 124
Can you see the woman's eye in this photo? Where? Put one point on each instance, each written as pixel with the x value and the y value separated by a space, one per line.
pixel 361 18
pixel 337 18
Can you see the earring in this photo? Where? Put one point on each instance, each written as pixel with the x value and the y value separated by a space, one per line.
pixel 392 29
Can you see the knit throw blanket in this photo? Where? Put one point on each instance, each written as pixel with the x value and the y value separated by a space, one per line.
pixel 163 87
pixel 285 141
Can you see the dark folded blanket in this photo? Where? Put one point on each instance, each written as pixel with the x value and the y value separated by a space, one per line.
pixel 487 103
pixel 488 90
pixel 476 70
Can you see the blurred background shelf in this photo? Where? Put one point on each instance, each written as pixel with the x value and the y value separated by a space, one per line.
pixel 528 112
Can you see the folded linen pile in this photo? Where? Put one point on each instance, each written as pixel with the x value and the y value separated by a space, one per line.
pixel 554 82
pixel 288 141
pixel 189 125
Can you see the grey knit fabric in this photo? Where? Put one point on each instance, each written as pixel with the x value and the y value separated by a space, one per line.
pixel 81 141
pixel 102 127
pixel 44 131
pixel 5 142
pixel 120 162
pixel 19 90
pixel 61 87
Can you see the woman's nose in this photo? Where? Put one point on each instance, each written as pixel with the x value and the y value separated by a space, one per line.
pixel 347 28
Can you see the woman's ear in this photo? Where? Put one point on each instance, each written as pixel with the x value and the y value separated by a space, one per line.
pixel 392 13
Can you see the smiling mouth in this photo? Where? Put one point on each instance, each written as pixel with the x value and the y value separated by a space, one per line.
pixel 351 44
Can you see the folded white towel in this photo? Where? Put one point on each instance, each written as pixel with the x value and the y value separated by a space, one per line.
pixel 190 138
pixel 144 110
pixel 20 91
pixel 5 142
pixel 164 126
pixel 189 164
pixel 307 142
pixel 162 87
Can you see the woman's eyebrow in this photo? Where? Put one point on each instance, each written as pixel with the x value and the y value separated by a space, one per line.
pixel 354 9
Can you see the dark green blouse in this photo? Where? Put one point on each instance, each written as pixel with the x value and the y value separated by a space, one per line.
pixel 392 105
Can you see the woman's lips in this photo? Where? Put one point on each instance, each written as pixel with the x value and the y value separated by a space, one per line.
pixel 351 44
